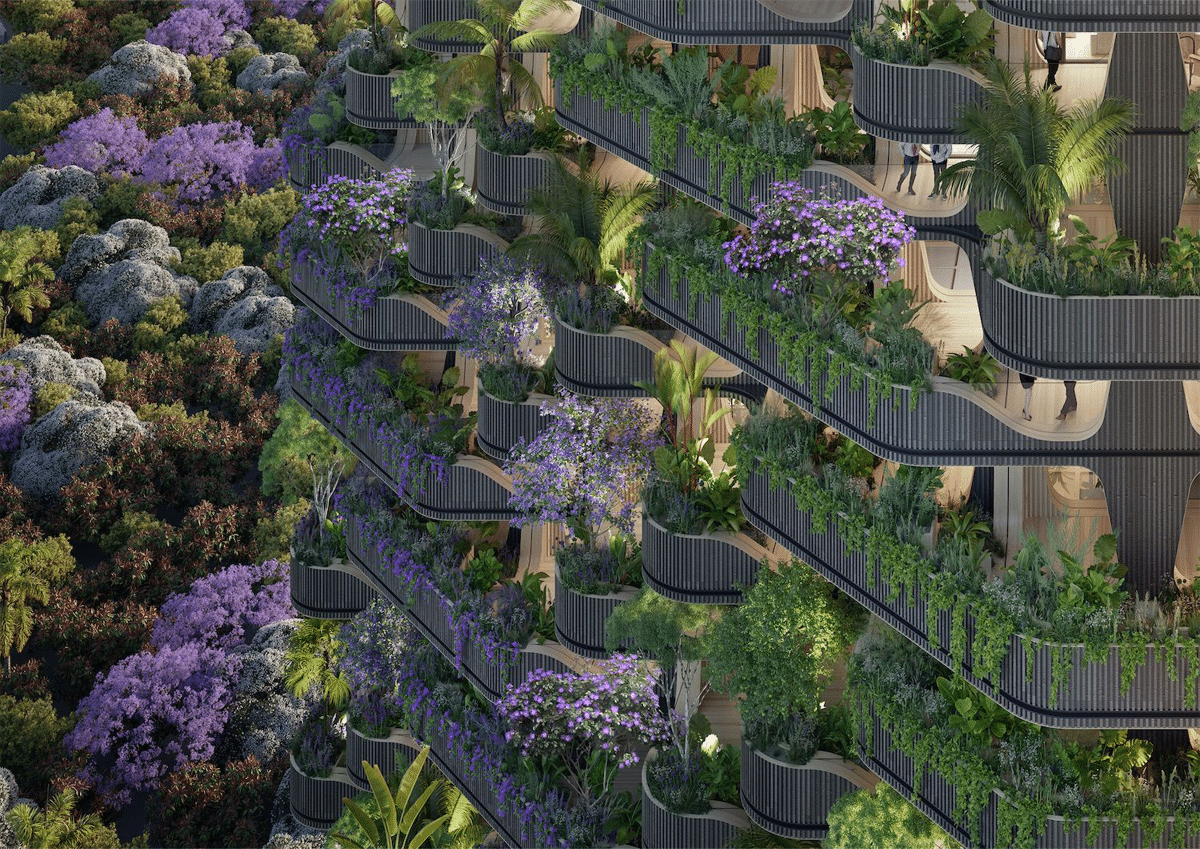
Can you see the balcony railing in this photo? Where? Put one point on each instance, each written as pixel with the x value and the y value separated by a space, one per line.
pixel 579 618
pixel 662 829
pixel 793 800
pixel 699 568
pixel 369 101
pixel 502 423
pixel 1098 15
pixel 504 183
pixel 443 257
pixel 309 168
pixel 328 592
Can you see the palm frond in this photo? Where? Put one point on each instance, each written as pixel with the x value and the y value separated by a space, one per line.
pixel 467 30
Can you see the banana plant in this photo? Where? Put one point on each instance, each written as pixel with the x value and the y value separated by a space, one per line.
pixel 395 826
pixel 975 714
pixel 1099 585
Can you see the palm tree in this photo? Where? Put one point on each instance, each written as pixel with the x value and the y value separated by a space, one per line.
pixel 312 659
pixel 21 278
pixel 1034 156
pixel 582 224
pixel 342 15
pixel 21 583
pixel 502 28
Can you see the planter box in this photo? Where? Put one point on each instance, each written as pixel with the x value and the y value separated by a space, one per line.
pixel 311 168
pixel 604 364
pixel 502 423
pixel 328 592
pixel 579 618
pixel 740 21
pixel 392 753
pixel 907 103
pixel 698 568
pixel 317 802
pixel 369 101
pixel 793 801
pixel 662 829
pixel 503 183
pixel 473 490
pixel 442 257
pixel 394 323
pixel 938 799
pixel 1089 696
pixel 1098 15
pixel 1086 337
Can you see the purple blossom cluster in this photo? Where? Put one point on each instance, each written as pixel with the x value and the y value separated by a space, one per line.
pixel 223 609
pixel 158 710
pixel 101 143
pixel 373 644
pixel 294 8
pixel 350 233
pixel 201 27
pixel 16 396
pixel 208 160
pixel 412 447
pixel 613 709
pixel 497 314
pixel 587 467
pixel 796 235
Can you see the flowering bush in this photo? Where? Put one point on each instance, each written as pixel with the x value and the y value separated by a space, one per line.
pixel 350 233
pixel 16 396
pixel 102 143
pixel 795 235
pixel 587 467
pixel 219 609
pixel 373 643
pixel 208 160
pixel 497 314
pixel 191 31
pixel 232 14
pixel 156 713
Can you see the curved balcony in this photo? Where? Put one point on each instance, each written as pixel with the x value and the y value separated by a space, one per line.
pixel 938 799
pixel 699 568
pixel 579 618
pixel 394 323
pixel 628 135
pixel 912 104
pixel 1098 15
pixel 310 168
pixel 328 592
pixel 502 423
pixel 442 257
pixel 793 800
pixel 503 183
pixel 1051 684
pixel 1082 337
pixel 392 753
pixel 317 802
pixel 369 101
pixel 662 829
pixel 424 12
pixel 427 610
pixel 739 21
pixel 473 489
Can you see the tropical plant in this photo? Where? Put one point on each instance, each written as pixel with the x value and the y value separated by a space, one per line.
pixel 493 71
pixel 881 818
pixel 395 826
pixel 975 715
pixel 22 274
pixel 343 15
pixel 27 571
pixel 977 369
pixel 582 224
pixel 57 827
pixel 312 661
pixel 1034 156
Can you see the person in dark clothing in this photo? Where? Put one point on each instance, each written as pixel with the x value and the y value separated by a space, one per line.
pixel 1070 404
pixel 1027 381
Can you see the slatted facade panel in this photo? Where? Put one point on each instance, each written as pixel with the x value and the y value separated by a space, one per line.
pixel 910 104
pixel 1098 15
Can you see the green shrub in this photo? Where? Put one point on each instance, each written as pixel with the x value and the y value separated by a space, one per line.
pixel 30 732
pixel 884 819
pixel 273 534
pixel 206 805
pixel 284 35
pixel 239 59
pixel 120 199
pixel 159 326
pixel 284 458
pixel 271 359
pixel 129 26
pixel 29 16
pixel 38 117
pixel 50 396
pixel 130 524
pixel 255 221
pixel 211 78
pixel 13 166
pixel 79 218
pixel 66 321
pixel 27 50
pixel 208 263
pixel 116 373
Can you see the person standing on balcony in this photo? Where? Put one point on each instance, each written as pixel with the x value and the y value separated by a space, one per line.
pixel 1071 403
pixel 912 158
pixel 1027 381
pixel 938 154
pixel 1053 51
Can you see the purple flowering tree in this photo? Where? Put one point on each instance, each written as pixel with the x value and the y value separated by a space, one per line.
pixel 101 143
pixel 16 396
pixel 591 723
pixel 796 237
pixel 223 609
pixel 205 161
pixel 587 468
pixel 191 31
pixel 233 14
pixel 350 233
pixel 500 318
